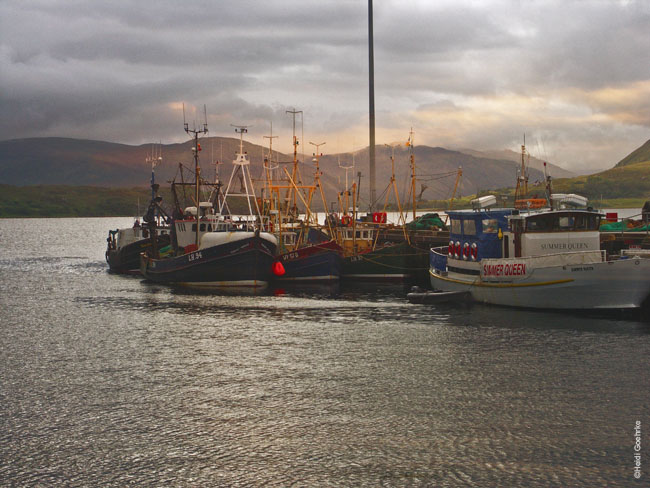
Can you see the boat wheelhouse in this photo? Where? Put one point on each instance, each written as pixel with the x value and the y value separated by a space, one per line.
pixel 125 245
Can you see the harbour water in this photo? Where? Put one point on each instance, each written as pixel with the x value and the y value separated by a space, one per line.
pixel 107 380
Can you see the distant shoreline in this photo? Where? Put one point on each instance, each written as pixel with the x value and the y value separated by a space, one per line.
pixel 63 201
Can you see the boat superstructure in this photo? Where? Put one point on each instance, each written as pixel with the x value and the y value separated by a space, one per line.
pixel 125 245
pixel 548 258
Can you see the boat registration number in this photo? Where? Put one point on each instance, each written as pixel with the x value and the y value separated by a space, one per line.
pixel 194 256
pixel 291 255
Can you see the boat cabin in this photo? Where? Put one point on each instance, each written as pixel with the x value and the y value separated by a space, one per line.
pixel 476 234
pixel 133 234
pixel 551 232
pixel 502 233
pixel 356 239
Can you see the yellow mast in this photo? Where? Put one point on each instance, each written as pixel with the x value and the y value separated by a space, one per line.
pixel 453 194
pixel 317 174
pixel 412 161
pixel 294 172
pixel 268 167
pixel 393 184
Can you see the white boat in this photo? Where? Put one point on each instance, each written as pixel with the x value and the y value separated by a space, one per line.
pixel 546 259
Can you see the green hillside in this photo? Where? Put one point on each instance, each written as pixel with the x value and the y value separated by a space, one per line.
pixel 71 201
pixel 640 155
pixel 625 186
pixel 87 201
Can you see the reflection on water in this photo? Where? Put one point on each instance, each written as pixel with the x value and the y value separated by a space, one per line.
pixel 109 380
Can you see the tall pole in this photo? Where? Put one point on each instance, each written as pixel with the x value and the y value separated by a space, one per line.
pixel 371 70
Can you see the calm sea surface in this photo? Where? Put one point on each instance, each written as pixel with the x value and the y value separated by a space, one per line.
pixel 111 381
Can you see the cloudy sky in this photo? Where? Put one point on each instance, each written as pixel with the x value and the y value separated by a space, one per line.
pixel 574 76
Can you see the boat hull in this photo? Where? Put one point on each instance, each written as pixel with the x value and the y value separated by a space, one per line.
pixel 399 262
pixel 621 284
pixel 313 263
pixel 126 260
pixel 240 263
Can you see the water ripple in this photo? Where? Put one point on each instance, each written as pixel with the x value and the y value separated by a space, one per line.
pixel 107 380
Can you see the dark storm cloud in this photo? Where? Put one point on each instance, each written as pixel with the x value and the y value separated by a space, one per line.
pixel 119 70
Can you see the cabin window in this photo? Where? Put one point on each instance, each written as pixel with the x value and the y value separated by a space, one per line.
pixel 469 227
pixel 587 222
pixel 193 227
pixel 540 223
pixel 202 227
pixel 358 234
pixel 490 226
pixel 565 223
pixel 209 227
pixel 455 226
pixel 561 222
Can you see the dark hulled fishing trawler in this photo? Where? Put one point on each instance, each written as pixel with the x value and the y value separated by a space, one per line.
pixel 209 247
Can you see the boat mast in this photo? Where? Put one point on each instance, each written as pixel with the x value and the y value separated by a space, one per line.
pixel 194 132
pixel 294 173
pixel 155 161
pixel 371 108
pixel 317 173
pixel 393 184
pixel 347 168
pixel 549 188
pixel 522 180
pixel 268 166
pixel 412 161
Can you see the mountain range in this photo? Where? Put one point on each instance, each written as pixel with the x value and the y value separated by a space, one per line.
pixel 77 162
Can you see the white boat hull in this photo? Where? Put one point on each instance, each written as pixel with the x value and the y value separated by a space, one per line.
pixel 621 284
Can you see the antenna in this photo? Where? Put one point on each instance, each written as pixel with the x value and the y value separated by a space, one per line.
pixel 194 132
pixel 268 162
pixel 294 172
pixel 317 146
pixel 347 169
pixel 317 154
pixel 241 130
pixel 155 158
pixel 295 141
